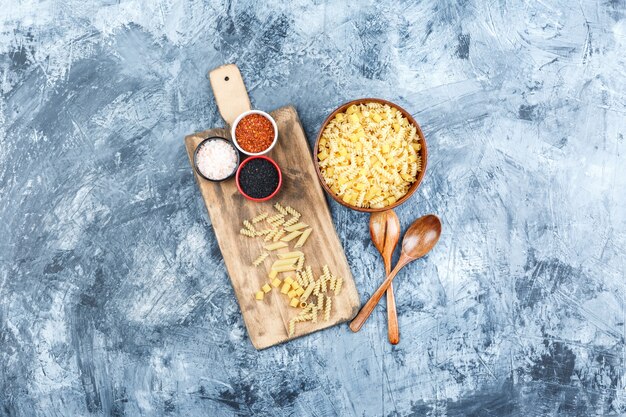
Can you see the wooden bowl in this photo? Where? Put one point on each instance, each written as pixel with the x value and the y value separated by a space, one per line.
pixel 423 153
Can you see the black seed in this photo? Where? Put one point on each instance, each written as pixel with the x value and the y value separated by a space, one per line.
pixel 258 178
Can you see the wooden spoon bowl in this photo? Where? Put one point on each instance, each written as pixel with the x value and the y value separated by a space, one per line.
pixel 419 239
pixel 423 153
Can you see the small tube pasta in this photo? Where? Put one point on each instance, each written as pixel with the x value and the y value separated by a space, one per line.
pixel 296 226
pixel 285 288
pixel 299 291
pixel 294 302
pixel 284 268
pixel 292 294
pixel 291 236
pixel 288 280
pixel 273 274
pixel 276 282
pixel 266 288
pixel 274 246
pixel 259 295
pixel 302 240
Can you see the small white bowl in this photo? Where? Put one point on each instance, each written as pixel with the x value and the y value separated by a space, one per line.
pixel 262 113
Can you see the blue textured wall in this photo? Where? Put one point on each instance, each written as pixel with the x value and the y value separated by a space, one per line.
pixel 113 295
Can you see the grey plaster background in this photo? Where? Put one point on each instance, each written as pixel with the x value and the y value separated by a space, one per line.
pixel 113 295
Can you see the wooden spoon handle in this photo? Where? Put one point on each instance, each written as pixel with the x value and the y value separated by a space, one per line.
pixel 393 329
pixel 366 310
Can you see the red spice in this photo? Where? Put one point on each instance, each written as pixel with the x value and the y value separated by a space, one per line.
pixel 254 133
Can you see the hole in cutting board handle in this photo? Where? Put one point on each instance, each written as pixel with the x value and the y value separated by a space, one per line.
pixel 229 91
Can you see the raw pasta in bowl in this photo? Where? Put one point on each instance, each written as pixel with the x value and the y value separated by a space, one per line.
pixel 371 155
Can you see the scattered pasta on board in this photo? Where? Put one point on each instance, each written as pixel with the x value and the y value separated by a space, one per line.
pixel 306 294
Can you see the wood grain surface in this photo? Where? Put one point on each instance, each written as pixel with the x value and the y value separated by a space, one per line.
pixel 230 92
pixel 267 321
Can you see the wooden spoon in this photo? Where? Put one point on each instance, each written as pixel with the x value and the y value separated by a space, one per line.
pixel 421 237
pixel 385 233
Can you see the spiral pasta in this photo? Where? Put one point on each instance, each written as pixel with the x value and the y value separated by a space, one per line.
pixel 259 217
pixel 280 209
pixel 307 294
pixel 292 211
pixel 369 155
pixel 278 235
pixel 247 232
pixel 329 303
pixel 259 260
pixel 291 221
pixel 338 284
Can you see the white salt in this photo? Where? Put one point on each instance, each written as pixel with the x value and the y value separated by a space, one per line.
pixel 216 159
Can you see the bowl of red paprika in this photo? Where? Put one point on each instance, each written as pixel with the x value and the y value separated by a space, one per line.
pixel 254 132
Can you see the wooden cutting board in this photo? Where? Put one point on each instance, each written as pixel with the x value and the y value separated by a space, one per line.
pixel 267 321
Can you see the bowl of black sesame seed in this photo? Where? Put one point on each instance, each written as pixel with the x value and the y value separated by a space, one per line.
pixel 258 178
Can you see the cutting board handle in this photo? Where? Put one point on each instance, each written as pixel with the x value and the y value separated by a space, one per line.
pixel 230 92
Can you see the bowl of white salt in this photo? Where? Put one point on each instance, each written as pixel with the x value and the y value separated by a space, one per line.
pixel 216 159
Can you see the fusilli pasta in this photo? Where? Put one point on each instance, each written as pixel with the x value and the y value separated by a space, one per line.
pixel 369 155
